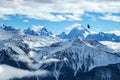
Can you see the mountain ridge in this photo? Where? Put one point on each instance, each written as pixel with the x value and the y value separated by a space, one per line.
pixel 100 36
pixel 75 31
pixel 62 59
pixel 38 31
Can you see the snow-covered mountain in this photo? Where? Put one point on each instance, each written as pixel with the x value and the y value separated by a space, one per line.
pixel 78 56
pixel 38 31
pixel 78 32
pixel 51 58
pixel 16 51
pixel 75 32
pixel 35 30
pixel 101 36
pixel 39 59
pixel 7 28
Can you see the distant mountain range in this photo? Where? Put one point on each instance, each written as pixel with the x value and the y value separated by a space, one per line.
pixel 82 32
pixel 75 32
pixel 35 31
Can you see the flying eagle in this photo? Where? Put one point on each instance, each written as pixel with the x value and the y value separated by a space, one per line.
pixel 88 26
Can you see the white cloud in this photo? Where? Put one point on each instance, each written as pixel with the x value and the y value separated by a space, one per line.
pixel 117 32
pixel 36 28
pixel 111 17
pixel 73 17
pixel 113 45
pixel 26 21
pixel 43 9
pixel 93 18
pixel 8 72
pixel 79 26
pixel 4 17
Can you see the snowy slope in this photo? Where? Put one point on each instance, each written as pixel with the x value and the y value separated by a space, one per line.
pixel 77 54
pixel 37 41
pixel 6 35
pixel 23 44
pixel 16 50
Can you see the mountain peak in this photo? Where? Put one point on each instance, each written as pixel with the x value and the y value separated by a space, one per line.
pixel 7 28
pixel 36 28
pixel 78 32
pixel 38 31
pixel 80 41
pixel 75 31
pixel 77 26
pixel 62 35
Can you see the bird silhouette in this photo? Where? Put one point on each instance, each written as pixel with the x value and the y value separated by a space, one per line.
pixel 88 26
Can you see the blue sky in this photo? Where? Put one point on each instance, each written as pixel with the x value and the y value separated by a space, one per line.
pixel 102 15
